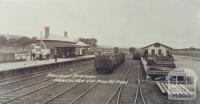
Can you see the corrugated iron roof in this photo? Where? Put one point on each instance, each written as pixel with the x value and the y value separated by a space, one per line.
pixel 80 43
pixel 65 45
pixel 53 44
pixel 157 43
pixel 53 37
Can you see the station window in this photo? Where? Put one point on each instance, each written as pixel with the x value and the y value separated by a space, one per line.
pixel 159 52
pixel 153 52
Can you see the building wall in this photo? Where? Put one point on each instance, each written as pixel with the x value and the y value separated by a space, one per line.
pixel 61 51
pixel 64 52
pixel 163 50
pixel 81 51
pixel 13 57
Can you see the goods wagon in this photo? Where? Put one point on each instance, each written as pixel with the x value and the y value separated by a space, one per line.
pixel 106 63
pixel 136 56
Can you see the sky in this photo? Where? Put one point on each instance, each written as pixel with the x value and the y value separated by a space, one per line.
pixel 122 23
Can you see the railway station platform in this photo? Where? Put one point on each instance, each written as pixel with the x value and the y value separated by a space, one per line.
pixel 30 65
pixel 155 72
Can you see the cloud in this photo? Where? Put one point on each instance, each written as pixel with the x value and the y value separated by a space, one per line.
pixel 117 22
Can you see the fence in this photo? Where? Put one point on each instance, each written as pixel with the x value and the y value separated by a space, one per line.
pixel 12 57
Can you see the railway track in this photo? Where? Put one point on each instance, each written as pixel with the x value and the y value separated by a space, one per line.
pixel 54 92
pixel 73 94
pixel 17 93
pixel 120 92
pixel 139 98
pixel 6 81
pixel 103 98
pixel 36 74
pixel 124 94
pixel 23 81
pixel 49 92
pixel 41 80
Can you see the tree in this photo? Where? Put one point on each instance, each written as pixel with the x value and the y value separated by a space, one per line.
pixel 3 41
pixel 192 48
pixel 132 50
pixel 12 42
pixel 89 41
pixel 23 41
pixel 33 40
pixel 93 41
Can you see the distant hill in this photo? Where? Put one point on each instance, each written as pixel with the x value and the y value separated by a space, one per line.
pixel 187 49
pixel 105 46
pixel 8 36
pixel 192 52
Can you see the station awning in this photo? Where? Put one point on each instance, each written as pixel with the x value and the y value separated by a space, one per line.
pixel 53 45
pixel 65 45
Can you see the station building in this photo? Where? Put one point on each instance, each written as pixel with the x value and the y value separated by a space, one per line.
pixel 82 49
pixel 157 49
pixel 63 46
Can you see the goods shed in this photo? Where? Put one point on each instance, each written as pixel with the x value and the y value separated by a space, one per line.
pixel 158 61
pixel 157 49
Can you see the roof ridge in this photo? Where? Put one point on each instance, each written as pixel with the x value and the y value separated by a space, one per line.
pixel 157 43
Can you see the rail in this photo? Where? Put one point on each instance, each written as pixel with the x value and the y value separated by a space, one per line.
pixel 139 94
pixel 40 88
pixel 119 88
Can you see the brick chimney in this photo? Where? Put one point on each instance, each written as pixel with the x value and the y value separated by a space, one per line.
pixel 46 32
pixel 65 34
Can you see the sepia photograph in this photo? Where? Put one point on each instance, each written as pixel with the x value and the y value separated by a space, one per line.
pixel 99 51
